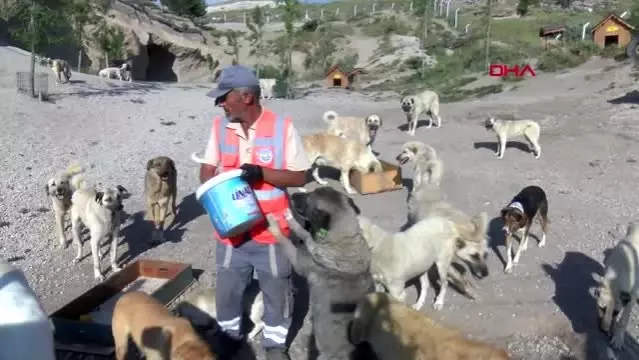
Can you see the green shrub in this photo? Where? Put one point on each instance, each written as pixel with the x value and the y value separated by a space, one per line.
pixel 385 26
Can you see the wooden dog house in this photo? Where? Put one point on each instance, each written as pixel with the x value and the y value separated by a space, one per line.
pixel 612 31
pixel 336 77
pixel 551 34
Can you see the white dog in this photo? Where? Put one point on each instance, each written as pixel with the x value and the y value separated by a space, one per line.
pixel 99 211
pixel 353 127
pixel 402 256
pixel 27 331
pixel 267 88
pixel 344 154
pixel 413 106
pixel 111 71
pixel 618 289
pixel 509 128
pixel 200 308
pixel 59 189
pixel 61 67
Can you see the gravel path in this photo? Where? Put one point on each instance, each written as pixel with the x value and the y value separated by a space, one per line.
pixel 542 311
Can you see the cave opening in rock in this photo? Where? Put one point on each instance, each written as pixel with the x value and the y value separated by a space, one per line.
pixel 160 66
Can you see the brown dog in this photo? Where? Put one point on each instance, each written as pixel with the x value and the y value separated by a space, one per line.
pixel 160 188
pixel 157 334
pixel 398 332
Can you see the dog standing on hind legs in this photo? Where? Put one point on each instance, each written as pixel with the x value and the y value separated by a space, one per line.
pixel 160 190
pixel 59 189
pixel 518 216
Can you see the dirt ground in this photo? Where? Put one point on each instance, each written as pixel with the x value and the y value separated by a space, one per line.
pixel 588 167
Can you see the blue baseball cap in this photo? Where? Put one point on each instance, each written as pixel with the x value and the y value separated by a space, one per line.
pixel 233 77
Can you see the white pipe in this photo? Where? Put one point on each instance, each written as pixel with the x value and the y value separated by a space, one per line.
pixel 467 25
pixel 623 14
pixel 583 30
pixel 456 11
pixel 447 8
pixel 441 7
pixel 435 7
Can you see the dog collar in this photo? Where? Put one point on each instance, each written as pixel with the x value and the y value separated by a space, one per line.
pixel 516 205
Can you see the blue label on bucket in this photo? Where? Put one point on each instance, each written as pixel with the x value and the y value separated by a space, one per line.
pixel 232 206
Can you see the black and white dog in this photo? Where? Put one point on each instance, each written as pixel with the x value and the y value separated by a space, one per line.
pixel 519 215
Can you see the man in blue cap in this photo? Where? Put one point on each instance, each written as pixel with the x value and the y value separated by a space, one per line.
pixel 269 150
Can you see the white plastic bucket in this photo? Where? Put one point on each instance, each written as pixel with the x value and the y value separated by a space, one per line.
pixel 230 203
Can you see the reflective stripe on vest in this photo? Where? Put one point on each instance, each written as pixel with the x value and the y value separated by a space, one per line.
pixel 271 199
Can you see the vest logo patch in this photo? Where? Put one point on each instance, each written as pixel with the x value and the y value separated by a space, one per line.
pixel 265 155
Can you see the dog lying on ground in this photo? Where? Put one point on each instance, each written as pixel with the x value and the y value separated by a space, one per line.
pixel 156 333
pixel 352 127
pixel 618 289
pixel 334 259
pixel 403 256
pixel 100 212
pixel 160 190
pixel 518 216
pixel 267 88
pixel 23 321
pixel 61 67
pixel 199 308
pixel 110 72
pixel 344 154
pixel 426 102
pixel 59 189
pixel 397 332
pixel 510 128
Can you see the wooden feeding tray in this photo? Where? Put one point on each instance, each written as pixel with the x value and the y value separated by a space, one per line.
pixel 84 324
pixel 388 180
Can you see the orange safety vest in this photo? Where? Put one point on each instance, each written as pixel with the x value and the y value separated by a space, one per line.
pixel 269 150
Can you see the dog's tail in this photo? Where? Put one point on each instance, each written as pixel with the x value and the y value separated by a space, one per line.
pixel 75 171
pixel 434 171
pixel 330 116
pixel 480 222
pixel 632 234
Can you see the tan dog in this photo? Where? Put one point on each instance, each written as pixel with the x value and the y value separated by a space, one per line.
pixel 160 189
pixel 397 332
pixel 157 334
pixel 344 154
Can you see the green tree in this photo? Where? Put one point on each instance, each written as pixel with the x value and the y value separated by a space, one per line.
pixel 422 7
pixel 37 24
pixel 101 33
pixel 80 12
pixel 234 44
pixel 292 12
pixel 186 8
pixel 488 19
pixel 256 37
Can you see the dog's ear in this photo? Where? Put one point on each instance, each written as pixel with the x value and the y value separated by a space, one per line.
pixel 460 243
pixel 98 197
pixel 46 189
pixel 122 189
pixel 155 335
pixel 172 165
pixel 149 164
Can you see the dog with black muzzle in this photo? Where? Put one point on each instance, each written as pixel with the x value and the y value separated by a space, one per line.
pixel 426 102
pixel 59 189
pixel 99 211
pixel 160 191
pixel 335 260
pixel 518 216
pixel 618 289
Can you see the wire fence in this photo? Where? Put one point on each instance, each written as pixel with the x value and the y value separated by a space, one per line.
pixel 40 83
pixel 441 8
